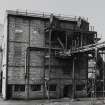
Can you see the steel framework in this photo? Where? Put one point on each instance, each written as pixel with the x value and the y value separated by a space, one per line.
pixel 95 49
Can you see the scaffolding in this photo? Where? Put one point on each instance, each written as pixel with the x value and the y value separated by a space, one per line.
pixel 65 51
pixel 79 47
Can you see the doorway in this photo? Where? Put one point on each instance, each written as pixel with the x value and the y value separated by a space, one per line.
pixel 9 91
pixel 0 82
pixel 67 91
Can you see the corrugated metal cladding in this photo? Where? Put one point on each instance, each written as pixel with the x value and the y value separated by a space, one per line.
pixel 24 32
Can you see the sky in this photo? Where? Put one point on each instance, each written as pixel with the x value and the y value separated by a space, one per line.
pixel 93 9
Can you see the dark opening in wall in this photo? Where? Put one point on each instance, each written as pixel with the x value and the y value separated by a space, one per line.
pixel 19 88
pixel 67 67
pixel 52 87
pixel 80 87
pixel 66 70
pixel 36 87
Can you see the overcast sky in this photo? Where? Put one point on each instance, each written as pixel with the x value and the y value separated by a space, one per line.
pixel 93 9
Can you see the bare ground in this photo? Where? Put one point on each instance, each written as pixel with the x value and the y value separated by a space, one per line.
pixel 63 101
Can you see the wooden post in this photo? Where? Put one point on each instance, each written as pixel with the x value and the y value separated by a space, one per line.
pixel 49 66
pixel 95 78
pixel 27 73
pixel 81 40
pixel 28 65
pixel 66 39
pixel 73 80
pixel 103 55
pixel 50 32
pixel 49 61
pixel 44 81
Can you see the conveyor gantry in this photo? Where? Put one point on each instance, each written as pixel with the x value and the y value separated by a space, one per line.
pixel 87 48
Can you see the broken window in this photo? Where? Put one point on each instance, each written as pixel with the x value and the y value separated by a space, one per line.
pixel 52 87
pixel 19 88
pixel 36 87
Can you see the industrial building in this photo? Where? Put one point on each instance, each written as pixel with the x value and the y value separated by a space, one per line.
pixel 46 56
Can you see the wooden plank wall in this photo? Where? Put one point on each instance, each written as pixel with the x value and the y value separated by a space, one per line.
pixel 24 32
pixel 36 67
pixel 36 33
